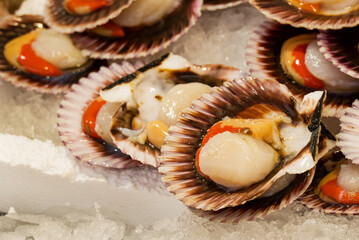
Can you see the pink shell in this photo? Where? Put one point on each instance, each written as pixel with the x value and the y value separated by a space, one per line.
pixel 213 5
pixel 145 41
pixel 70 113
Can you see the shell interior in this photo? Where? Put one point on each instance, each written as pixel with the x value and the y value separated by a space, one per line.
pixel 263 58
pixel 144 41
pixel 213 5
pixel 177 155
pixel 17 26
pixel 70 112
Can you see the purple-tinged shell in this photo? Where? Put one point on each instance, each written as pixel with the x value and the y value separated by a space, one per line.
pixel 348 137
pixel 16 26
pixel 213 5
pixel 59 19
pixel 285 13
pixel 312 201
pixel 341 48
pixel 70 112
pixel 261 207
pixel 181 145
pixel 263 59
pixel 144 41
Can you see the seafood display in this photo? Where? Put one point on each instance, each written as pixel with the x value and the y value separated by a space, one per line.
pixel 139 29
pixel 317 14
pixel 292 57
pixel 38 58
pixel 243 145
pixel 212 5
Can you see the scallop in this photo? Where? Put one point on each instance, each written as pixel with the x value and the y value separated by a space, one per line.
pixel 27 36
pixel 153 97
pixel 208 178
pixel 289 56
pixel 213 5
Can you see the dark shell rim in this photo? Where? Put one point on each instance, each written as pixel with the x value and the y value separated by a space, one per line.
pixel 56 16
pixel 336 48
pixel 70 112
pixel 221 5
pixel 312 201
pixel 53 85
pixel 177 168
pixel 260 208
pixel 284 13
pixel 125 48
pixel 261 55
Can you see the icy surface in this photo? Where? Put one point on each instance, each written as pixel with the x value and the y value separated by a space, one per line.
pixel 219 37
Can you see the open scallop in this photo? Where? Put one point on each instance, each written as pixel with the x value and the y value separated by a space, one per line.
pixel 213 5
pixel 63 21
pixel 155 94
pixel 144 39
pixel 263 56
pixel 70 114
pixel 244 99
pixel 328 170
pixel 17 27
pixel 341 48
pixel 319 14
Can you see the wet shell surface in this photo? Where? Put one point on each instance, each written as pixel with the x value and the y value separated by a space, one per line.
pixel 341 48
pixel 70 112
pixel 178 72
pixel 145 41
pixel 58 18
pixel 231 100
pixel 348 137
pixel 17 26
pixel 285 13
pixel 312 201
pixel 213 5
pixel 263 58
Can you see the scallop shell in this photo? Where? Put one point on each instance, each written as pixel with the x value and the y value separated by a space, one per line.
pixel 72 107
pixel 312 201
pixel 213 75
pixel 213 5
pixel 284 13
pixel 261 207
pixel 59 19
pixel 145 41
pixel 341 48
pixel 262 57
pixel 17 26
pixel 179 150
pixel 348 137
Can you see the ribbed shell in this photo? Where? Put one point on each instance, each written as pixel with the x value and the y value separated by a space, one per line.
pixel 263 59
pixel 59 19
pixel 70 113
pixel 284 13
pixel 213 5
pixel 261 207
pixel 16 26
pixel 341 48
pixel 312 201
pixel 144 41
pixel 348 137
pixel 178 153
